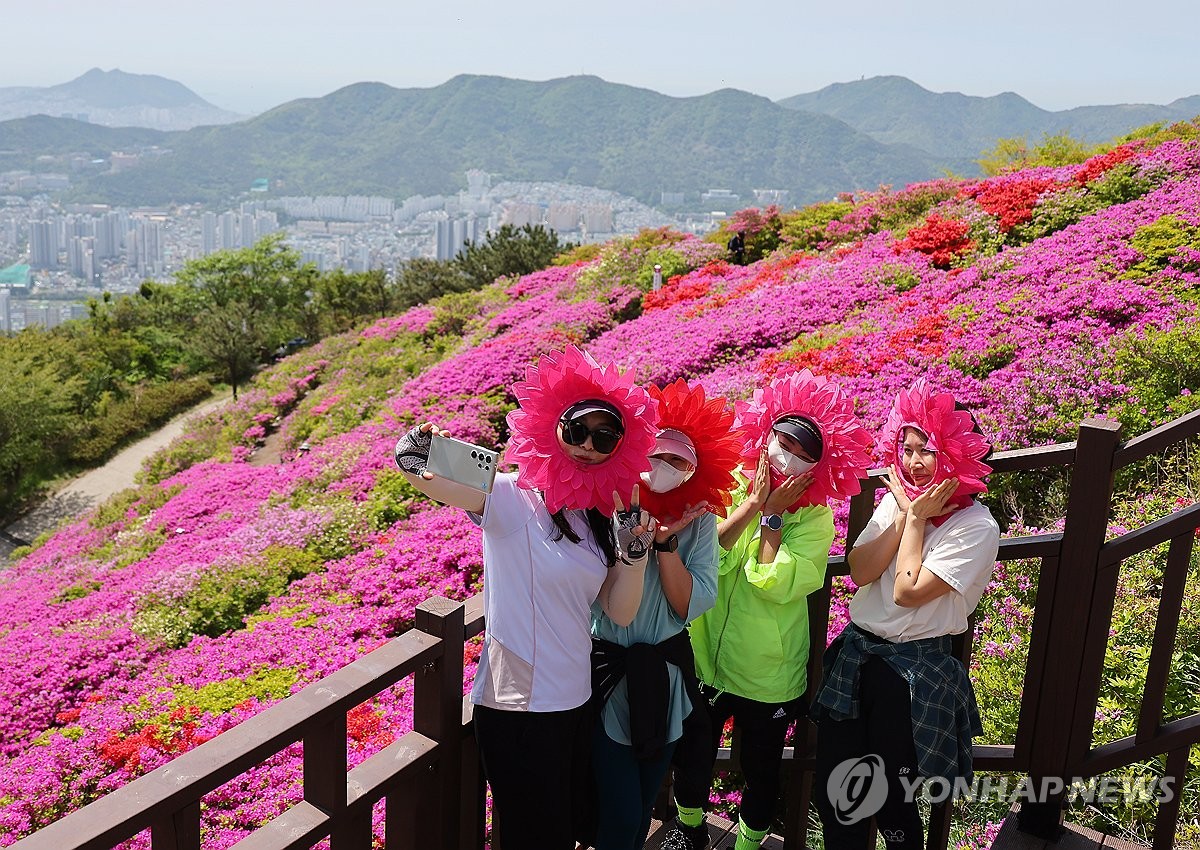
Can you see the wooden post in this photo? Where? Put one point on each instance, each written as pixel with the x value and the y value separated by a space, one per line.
pixel 325 775
pixel 474 792
pixel 181 831
pixel 437 713
pixel 1066 679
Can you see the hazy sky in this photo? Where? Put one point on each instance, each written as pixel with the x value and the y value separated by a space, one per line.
pixel 250 55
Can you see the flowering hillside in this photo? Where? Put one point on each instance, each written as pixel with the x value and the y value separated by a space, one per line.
pixel 218 587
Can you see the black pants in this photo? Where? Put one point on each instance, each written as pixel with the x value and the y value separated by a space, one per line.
pixel 883 728
pixel 763 727
pixel 536 763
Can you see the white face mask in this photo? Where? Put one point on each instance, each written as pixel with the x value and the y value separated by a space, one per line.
pixel 784 462
pixel 663 477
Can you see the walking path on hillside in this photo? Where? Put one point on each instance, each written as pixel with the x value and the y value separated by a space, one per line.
pixel 93 487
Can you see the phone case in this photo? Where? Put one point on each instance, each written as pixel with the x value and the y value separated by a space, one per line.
pixel 463 463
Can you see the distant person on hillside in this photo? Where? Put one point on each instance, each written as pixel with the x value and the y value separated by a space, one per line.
pixel 803 445
pixel 893 696
pixel 644 674
pixel 737 248
pixel 555 541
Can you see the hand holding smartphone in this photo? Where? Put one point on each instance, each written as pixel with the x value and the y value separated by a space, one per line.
pixel 463 463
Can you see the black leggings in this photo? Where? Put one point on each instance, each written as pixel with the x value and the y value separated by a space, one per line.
pixel 536 763
pixel 883 728
pixel 763 727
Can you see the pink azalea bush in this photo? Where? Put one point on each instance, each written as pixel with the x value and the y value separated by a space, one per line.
pixel 217 587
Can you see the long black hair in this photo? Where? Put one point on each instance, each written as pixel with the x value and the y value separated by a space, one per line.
pixel 600 526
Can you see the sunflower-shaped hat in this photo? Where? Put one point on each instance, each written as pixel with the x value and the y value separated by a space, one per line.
pixel 845 455
pixel 948 431
pixel 558 382
pixel 707 423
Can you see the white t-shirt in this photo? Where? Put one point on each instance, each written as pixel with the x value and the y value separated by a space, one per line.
pixel 961 552
pixel 537 596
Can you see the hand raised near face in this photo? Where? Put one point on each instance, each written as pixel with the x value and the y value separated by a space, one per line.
pixel 691 512
pixel 633 529
pixel 934 502
pixel 786 494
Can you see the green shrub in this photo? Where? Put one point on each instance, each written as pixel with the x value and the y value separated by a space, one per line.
pixel 222 596
pixel 1161 244
pixel 76 591
pixel 452 313
pixel 344 533
pixel 1162 372
pixel 216 698
pixel 804 229
pixel 901 211
pixel 391 499
pixel 578 254
pixel 672 262
pixel 116 421
pixel 129 546
pixel 1054 212
pixel 981 364
pixel 898 277
pixel 140 500
pixel 1122 183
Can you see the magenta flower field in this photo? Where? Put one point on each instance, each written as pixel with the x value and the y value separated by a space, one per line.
pixel 218 586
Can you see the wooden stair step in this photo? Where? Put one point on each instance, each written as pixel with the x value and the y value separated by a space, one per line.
pixel 1074 837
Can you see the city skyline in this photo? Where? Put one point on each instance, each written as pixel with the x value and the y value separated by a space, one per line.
pixel 251 57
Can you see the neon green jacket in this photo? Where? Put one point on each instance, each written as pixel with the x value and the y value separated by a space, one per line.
pixel 754 642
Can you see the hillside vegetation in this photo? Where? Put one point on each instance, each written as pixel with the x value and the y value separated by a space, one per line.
pixel 1040 296
pixel 370 138
pixel 896 111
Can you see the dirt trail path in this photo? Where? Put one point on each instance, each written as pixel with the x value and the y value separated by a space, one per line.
pixel 91 488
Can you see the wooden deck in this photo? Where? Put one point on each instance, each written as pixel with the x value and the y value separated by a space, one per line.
pixel 1073 838
pixel 721 834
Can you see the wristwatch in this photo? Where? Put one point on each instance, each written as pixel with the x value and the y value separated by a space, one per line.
pixel 668 545
pixel 771 521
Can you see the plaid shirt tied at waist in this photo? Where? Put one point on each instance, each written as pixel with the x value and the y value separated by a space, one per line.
pixel 944 714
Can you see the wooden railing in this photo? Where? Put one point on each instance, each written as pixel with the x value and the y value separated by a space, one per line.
pixel 430 779
pixel 1076 590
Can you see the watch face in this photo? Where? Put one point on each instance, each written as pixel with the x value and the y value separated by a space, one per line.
pixel 773 522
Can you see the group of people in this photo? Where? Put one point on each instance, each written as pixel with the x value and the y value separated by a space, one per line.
pixel 647 569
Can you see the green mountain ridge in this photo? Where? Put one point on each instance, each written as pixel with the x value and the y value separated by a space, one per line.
pixel 895 110
pixel 372 138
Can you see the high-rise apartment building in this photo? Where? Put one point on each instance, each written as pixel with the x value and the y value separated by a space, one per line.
pixel 227 224
pixel 110 234
pixel 43 245
pixel 208 233
pixel 247 230
pixel 5 310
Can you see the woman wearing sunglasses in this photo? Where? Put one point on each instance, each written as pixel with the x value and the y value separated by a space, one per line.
pixel 892 688
pixel 556 539
pixel 644 671
pixel 803 445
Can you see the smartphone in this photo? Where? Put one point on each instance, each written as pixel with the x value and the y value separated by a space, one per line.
pixel 463 463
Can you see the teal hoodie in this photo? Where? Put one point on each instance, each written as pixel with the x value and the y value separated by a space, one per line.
pixel 754 642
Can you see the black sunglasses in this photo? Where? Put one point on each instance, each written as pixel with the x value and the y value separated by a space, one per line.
pixel 604 440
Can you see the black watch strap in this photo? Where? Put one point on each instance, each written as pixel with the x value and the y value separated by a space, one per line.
pixel 669 545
